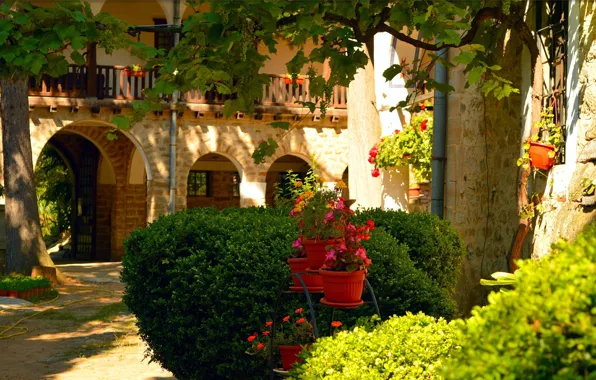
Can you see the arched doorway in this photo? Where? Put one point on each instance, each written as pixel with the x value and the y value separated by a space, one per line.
pixel 88 169
pixel 108 186
pixel 214 180
pixel 277 175
pixel 346 179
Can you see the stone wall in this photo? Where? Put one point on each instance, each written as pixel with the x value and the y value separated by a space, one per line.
pixel 483 137
pixel 122 207
pixel 567 210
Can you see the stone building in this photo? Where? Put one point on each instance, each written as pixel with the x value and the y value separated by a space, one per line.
pixel 483 145
pixel 124 183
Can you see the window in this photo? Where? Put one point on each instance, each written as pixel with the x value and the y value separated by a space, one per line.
pixel 163 40
pixel 236 185
pixel 199 184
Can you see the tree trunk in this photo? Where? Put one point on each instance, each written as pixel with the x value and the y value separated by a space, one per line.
pixel 25 247
pixel 364 131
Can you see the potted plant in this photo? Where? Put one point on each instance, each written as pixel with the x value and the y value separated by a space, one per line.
pixel 299 264
pixel 410 146
pixel 134 71
pixel 289 78
pixel 312 212
pixel 294 335
pixel 346 264
pixel 542 148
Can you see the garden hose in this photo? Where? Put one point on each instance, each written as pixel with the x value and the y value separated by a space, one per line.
pixel 24 330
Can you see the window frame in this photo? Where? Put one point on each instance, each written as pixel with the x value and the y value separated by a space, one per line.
pixel 208 183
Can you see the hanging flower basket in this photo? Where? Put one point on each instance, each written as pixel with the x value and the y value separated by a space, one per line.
pixel 313 282
pixel 134 71
pixel 542 156
pixel 343 288
pixel 289 356
pixel 316 252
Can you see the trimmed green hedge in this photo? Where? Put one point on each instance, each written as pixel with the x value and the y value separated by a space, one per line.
pixel 23 283
pixel 433 244
pixel 200 280
pixel 408 347
pixel 542 329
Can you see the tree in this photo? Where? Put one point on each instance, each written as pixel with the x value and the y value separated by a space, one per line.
pixel 34 42
pixel 221 50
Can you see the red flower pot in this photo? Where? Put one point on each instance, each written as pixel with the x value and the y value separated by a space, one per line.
pixel 13 293
pixel 414 192
pixel 3 293
pixel 289 356
pixel 289 80
pixel 343 287
pixel 316 252
pixel 313 282
pixel 25 295
pixel 539 155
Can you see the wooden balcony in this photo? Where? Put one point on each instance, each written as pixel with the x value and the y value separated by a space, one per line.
pixel 112 83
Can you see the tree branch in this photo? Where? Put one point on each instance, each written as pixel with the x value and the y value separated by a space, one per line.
pixel 483 14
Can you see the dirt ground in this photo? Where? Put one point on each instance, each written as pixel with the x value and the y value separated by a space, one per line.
pixel 91 339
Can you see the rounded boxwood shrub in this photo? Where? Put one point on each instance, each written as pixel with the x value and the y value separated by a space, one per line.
pixel 201 280
pixel 542 329
pixel 433 244
pixel 398 285
pixel 406 347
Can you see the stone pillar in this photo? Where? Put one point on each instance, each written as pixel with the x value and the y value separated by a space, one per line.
pixel 252 193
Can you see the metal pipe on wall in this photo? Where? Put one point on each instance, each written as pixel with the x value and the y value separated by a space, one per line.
pixel 439 141
pixel 174 120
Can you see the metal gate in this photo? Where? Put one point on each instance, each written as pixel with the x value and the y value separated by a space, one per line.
pixel 86 188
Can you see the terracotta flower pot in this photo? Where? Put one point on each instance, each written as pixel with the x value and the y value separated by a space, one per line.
pixel 289 356
pixel 3 293
pixel 313 282
pixel 316 252
pixel 414 192
pixel 289 80
pixel 13 293
pixel 539 155
pixel 343 287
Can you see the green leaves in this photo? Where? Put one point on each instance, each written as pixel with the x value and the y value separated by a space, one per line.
pixel 392 71
pixel 121 121
pixel 264 150
pixel 280 125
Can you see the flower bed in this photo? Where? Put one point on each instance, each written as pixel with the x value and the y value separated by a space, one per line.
pixel 24 287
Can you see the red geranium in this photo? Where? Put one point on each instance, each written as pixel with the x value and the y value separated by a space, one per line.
pixel 423 125
pixel 375 172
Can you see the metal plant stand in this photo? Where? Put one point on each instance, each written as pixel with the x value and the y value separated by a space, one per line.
pixel 280 290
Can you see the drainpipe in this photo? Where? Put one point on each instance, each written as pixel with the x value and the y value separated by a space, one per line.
pixel 439 133
pixel 173 120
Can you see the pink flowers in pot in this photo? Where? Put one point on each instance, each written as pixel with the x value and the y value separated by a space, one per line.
pixel 349 255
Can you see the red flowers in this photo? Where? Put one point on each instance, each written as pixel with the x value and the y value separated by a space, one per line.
pixel 397 131
pixel 299 311
pixel 423 125
pixel 375 172
pixel 252 338
pixel 371 160
pixel 260 346
pixel 300 321
pixel 422 107
pixel 268 323
pixel 265 333
pixel 374 151
pixel 286 318
pixel 336 324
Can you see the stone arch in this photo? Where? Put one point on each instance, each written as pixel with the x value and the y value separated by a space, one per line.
pixel 223 184
pixel 277 169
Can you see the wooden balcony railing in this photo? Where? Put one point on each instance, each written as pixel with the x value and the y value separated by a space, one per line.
pixel 112 83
